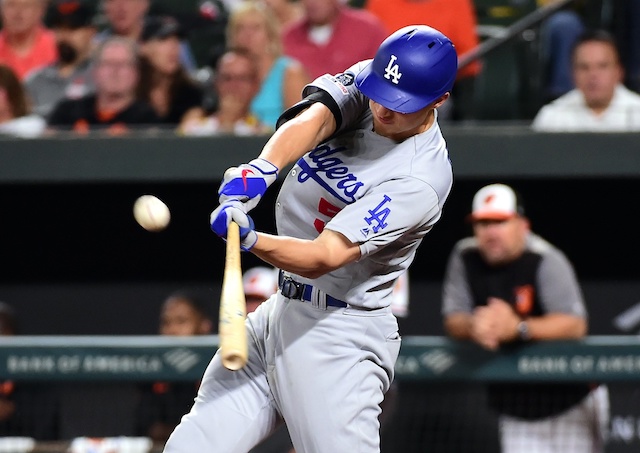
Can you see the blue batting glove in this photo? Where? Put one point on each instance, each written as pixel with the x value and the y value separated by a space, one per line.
pixel 234 210
pixel 248 182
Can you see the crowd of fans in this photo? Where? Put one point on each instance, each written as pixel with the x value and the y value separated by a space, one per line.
pixel 113 66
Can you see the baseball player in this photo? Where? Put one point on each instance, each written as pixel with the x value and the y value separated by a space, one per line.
pixel 506 286
pixel 370 177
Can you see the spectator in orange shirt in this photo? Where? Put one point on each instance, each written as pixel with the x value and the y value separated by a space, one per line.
pixel 332 36
pixel 455 18
pixel 25 44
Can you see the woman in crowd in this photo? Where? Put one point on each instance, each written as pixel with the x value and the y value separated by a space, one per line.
pixel 164 83
pixel 254 27
pixel 15 119
pixel 235 85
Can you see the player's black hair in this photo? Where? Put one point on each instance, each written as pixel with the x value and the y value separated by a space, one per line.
pixel 597 35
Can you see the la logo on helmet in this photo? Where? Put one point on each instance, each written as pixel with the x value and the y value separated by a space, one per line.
pixel 392 70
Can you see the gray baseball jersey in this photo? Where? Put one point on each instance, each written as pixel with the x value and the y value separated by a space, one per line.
pixel 378 193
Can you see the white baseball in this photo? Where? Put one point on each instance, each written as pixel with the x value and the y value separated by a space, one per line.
pixel 151 213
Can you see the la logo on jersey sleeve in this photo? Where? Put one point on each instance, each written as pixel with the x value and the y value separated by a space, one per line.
pixel 377 217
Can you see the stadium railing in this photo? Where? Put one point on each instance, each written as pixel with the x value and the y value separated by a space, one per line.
pixel 437 378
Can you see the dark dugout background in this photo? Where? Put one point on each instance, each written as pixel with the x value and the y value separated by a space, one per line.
pixel 74 262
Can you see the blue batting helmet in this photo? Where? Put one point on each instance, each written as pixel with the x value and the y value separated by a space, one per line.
pixel 412 68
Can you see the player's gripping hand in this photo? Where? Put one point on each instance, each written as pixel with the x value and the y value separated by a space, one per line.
pixel 234 210
pixel 248 182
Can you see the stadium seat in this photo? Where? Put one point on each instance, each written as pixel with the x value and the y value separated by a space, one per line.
pixel 508 85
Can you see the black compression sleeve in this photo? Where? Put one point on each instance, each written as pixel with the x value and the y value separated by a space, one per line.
pixel 318 96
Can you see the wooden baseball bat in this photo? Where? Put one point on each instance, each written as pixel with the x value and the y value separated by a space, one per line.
pixel 233 309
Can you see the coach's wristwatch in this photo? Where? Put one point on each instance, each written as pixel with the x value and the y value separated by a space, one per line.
pixel 523 331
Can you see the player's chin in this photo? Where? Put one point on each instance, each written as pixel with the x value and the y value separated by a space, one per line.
pixel 385 129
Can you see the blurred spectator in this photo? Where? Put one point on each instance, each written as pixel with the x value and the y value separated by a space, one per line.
pixel 505 287
pixel 15 119
pixel 25 44
pixel 114 106
pixel 558 35
pixel 184 315
pixel 332 36
pixel 70 76
pixel 28 410
pixel 253 27
pixel 126 18
pixel 259 284
pixel 599 103
pixel 287 11
pixel 235 84
pixel 162 404
pixel 164 83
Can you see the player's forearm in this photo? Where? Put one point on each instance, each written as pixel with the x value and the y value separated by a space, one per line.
pixel 557 326
pixel 307 258
pixel 299 135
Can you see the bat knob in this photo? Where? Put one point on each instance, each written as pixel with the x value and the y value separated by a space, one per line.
pixel 234 362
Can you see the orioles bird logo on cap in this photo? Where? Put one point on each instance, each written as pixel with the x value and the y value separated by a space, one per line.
pixel 489 199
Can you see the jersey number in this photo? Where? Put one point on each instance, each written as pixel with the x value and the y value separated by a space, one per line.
pixel 325 208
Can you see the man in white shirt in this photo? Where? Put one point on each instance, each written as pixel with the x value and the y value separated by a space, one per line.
pixel 600 102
